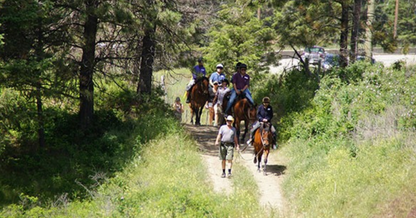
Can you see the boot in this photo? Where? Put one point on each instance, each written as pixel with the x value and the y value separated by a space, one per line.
pixel 274 142
pixel 188 97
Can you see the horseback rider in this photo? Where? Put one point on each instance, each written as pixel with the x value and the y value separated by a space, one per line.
pixel 214 81
pixel 197 73
pixel 264 114
pixel 241 82
pixel 217 76
pixel 218 101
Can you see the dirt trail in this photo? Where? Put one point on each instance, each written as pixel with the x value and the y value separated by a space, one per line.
pixel 269 185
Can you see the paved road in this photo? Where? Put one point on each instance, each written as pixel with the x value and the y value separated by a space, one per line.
pixel 386 59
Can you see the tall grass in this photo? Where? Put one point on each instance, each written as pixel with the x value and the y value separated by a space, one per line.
pixel 351 151
pixel 167 179
pixel 175 86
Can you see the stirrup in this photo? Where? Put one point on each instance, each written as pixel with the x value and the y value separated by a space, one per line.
pixel 249 142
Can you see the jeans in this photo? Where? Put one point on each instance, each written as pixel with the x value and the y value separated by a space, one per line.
pixel 246 93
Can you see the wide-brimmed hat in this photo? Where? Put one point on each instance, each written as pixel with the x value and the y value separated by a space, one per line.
pixel 229 117
pixel 266 100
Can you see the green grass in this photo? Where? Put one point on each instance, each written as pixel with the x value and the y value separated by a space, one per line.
pixel 168 179
pixel 351 150
pixel 175 84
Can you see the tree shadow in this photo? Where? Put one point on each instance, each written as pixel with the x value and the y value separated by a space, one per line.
pixel 276 170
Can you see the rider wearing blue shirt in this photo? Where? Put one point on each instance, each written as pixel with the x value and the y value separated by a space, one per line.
pixel 217 76
pixel 198 72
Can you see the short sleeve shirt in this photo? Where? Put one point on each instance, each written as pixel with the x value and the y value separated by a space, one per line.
pixel 227 134
pixel 240 80
pixel 199 71
pixel 216 77
pixel 221 93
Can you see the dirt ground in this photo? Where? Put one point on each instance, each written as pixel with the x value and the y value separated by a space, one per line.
pixel 269 185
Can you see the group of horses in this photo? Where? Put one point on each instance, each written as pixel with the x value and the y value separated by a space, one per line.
pixel 243 111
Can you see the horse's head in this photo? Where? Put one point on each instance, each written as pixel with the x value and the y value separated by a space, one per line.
pixel 203 85
pixel 266 134
pixel 252 113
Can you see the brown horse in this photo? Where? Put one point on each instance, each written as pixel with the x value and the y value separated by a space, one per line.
pixel 243 112
pixel 199 95
pixel 263 139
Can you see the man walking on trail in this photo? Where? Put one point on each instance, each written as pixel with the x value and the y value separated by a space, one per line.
pixel 227 135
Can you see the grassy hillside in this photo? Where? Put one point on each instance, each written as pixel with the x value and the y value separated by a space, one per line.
pixel 139 163
pixel 350 142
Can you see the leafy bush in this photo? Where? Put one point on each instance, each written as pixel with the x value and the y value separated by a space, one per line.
pixel 348 144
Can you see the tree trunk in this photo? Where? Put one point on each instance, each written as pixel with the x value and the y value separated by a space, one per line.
pixel 343 43
pixel 148 53
pixel 396 17
pixel 368 46
pixel 39 105
pixel 86 85
pixel 355 30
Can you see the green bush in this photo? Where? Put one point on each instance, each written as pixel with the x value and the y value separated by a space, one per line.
pixel 349 148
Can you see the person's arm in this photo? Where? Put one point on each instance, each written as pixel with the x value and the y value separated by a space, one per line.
pixel 235 88
pixel 247 84
pixel 259 114
pixel 270 114
pixel 181 108
pixel 211 82
pixel 245 87
pixel 217 141
pixel 237 146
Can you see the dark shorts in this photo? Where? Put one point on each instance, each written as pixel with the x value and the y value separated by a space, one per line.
pixel 226 151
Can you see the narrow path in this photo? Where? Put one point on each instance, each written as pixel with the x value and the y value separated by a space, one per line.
pixel 269 186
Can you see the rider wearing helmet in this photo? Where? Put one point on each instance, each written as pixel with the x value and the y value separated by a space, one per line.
pixel 197 73
pixel 217 76
pixel 218 101
pixel 241 82
pixel 264 114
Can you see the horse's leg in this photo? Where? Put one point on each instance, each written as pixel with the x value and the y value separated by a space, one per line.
pixel 199 115
pixel 259 162
pixel 266 155
pixel 192 115
pixel 196 116
pixel 245 131
pixel 237 127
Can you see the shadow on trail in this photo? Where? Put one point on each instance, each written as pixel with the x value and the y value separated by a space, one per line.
pixel 275 169
pixel 205 136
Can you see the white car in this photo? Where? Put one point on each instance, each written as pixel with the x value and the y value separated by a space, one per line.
pixel 314 54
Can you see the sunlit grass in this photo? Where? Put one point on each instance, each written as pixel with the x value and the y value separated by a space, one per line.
pixel 175 86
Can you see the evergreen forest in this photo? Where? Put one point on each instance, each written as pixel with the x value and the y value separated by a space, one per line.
pixel 87 129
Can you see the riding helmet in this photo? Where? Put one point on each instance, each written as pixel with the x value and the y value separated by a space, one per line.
pixel 200 59
pixel 237 66
pixel 243 66
pixel 266 100
pixel 225 80
pixel 220 66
